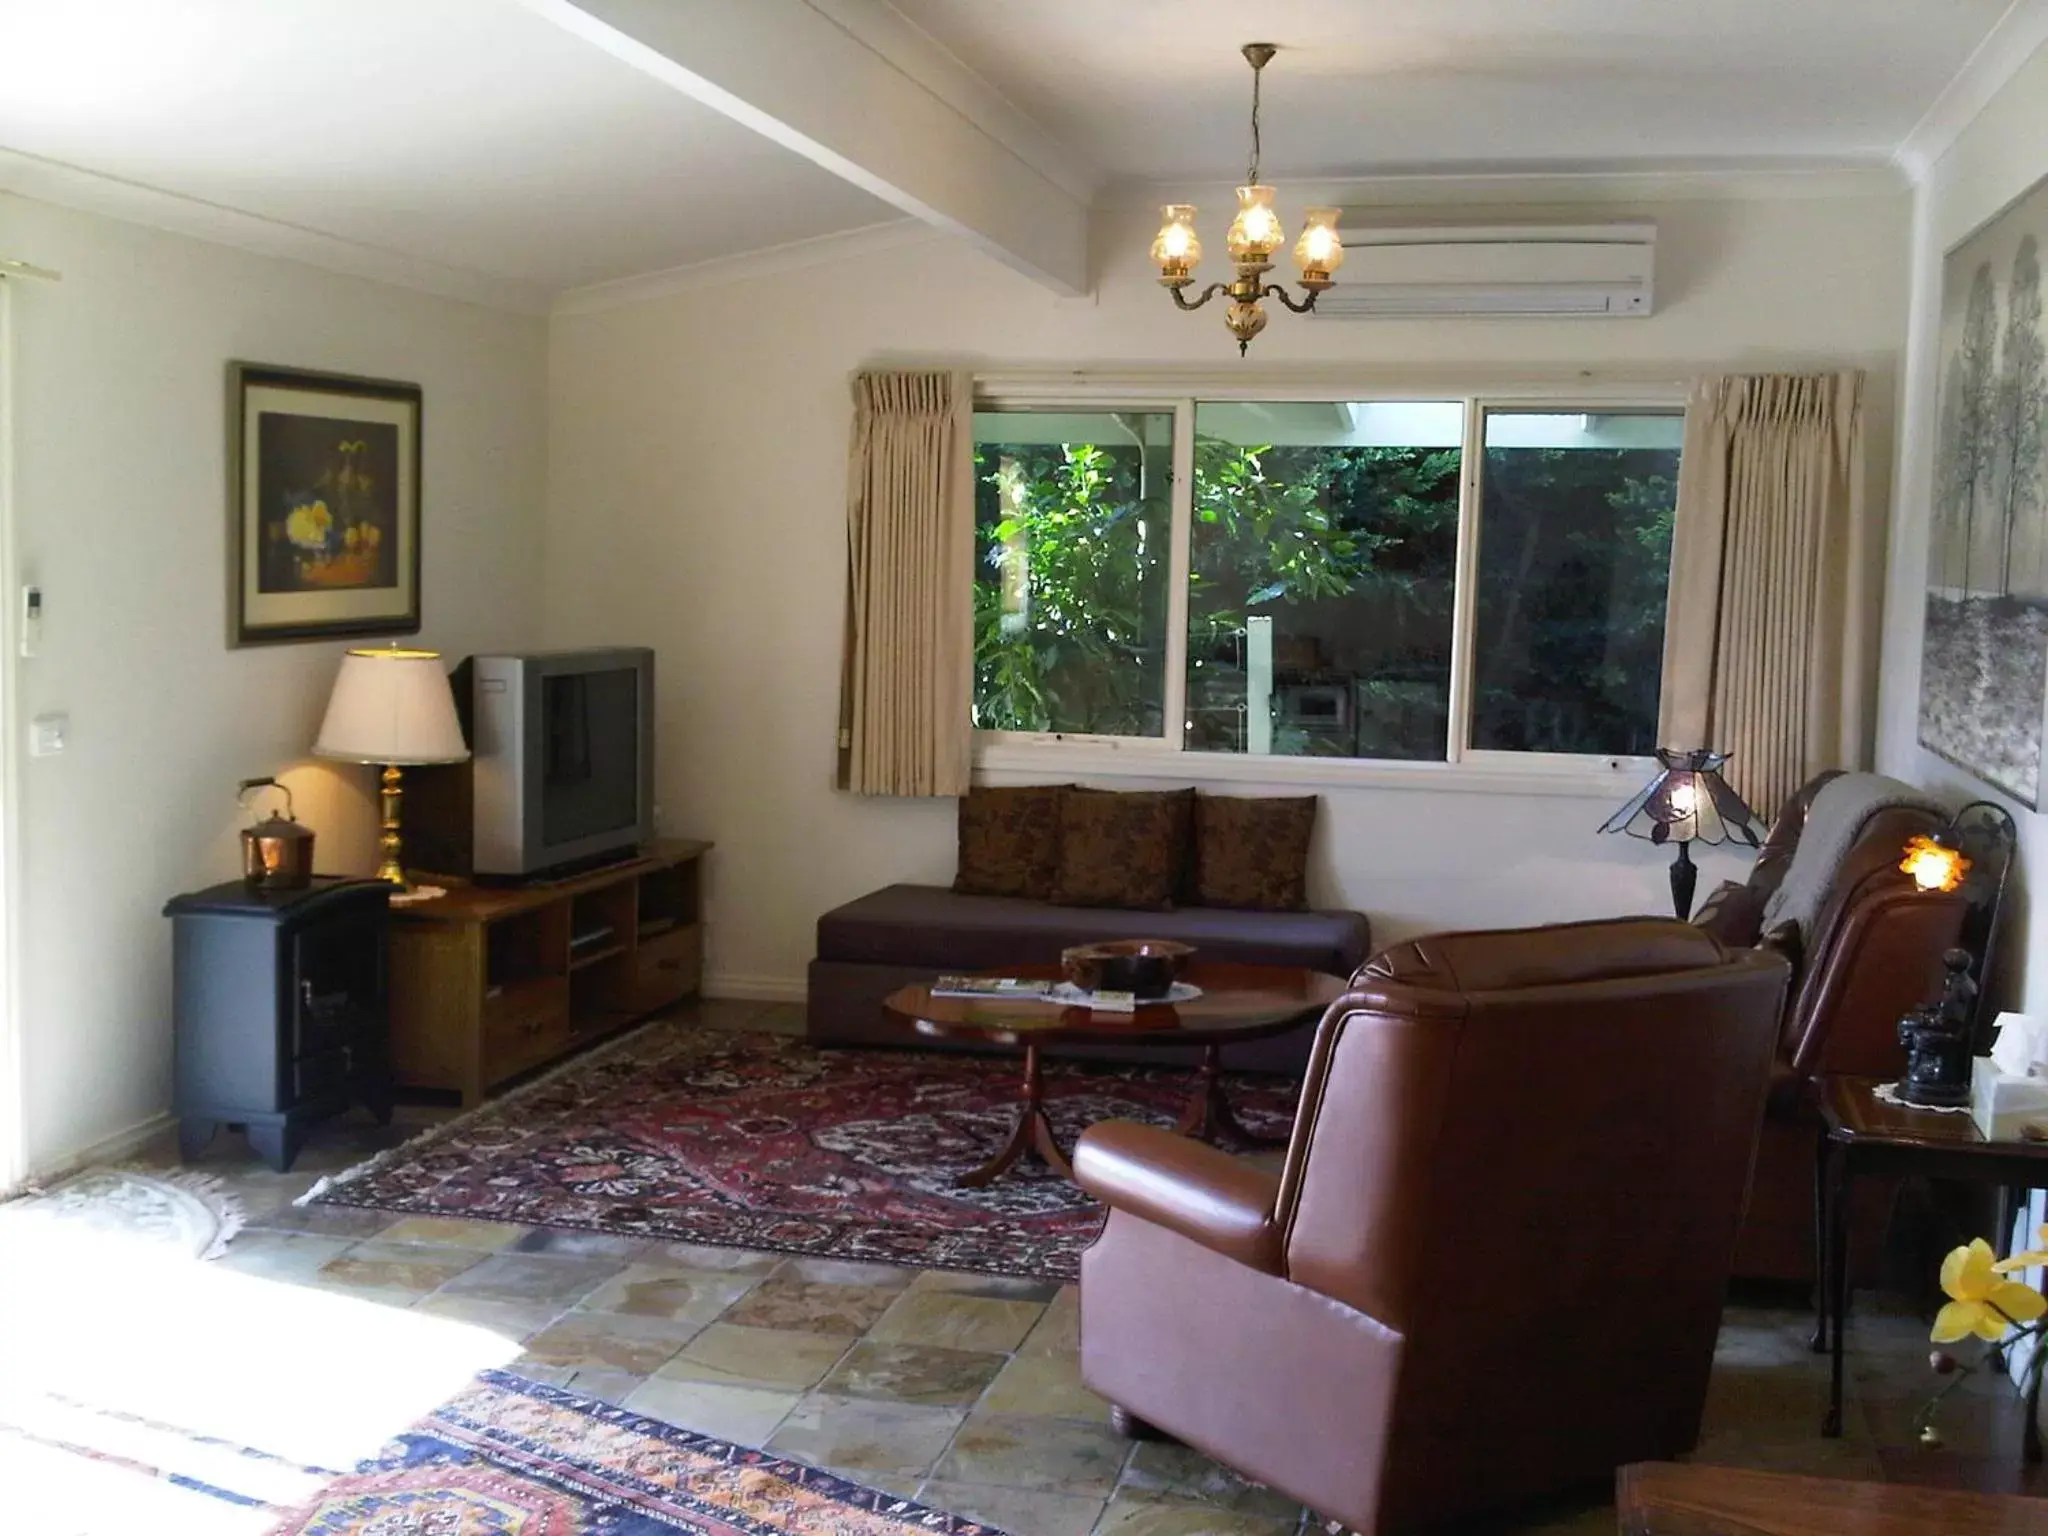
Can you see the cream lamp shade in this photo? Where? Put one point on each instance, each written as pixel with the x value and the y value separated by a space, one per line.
pixel 392 706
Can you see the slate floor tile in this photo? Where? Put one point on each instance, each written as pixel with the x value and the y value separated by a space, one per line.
pixel 913 1373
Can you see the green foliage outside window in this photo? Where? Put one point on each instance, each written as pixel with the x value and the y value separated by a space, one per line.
pixel 1071 593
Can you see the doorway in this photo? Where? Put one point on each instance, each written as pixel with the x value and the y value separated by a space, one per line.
pixel 14 1168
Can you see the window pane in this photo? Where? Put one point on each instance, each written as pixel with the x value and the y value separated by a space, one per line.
pixel 1322 560
pixel 1072 512
pixel 1574 560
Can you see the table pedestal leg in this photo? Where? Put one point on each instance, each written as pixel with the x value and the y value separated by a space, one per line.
pixel 1208 1116
pixel 1836 1279
pixel 1033 1133
pixel 1819 1342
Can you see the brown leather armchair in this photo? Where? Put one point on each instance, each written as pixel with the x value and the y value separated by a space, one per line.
pixel 1872 951
pixel 1492 1265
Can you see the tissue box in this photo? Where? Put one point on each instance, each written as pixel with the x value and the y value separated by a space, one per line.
pixel 2001 1103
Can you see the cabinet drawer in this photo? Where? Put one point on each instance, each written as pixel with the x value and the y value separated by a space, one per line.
pixel 523 1024
pixel 666 967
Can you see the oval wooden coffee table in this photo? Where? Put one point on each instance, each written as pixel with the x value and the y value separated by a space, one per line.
pixel 1238 1002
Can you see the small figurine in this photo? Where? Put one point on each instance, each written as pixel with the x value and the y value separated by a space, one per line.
pixel 1937 1039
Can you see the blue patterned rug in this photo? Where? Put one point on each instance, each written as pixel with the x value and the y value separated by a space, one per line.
pixel 506 1456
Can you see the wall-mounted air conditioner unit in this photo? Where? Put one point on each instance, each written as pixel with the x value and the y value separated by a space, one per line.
pixel 1501 269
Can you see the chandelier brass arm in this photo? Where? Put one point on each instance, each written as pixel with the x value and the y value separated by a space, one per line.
pixel 1270 291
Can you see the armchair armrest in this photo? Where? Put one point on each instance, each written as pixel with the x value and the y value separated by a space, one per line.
pixel 1185 1186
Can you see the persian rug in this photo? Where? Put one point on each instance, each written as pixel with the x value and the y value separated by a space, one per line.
pixel 506 1455
pixel 187 1213
pixel 684 1134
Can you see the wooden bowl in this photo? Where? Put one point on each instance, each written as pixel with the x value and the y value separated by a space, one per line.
pixel 1147 968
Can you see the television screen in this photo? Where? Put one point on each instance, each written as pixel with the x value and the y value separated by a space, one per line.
pixel 590 754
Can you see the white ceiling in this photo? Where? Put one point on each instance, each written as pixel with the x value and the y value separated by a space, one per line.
pixel 509 140
pixel 1155 89
pixel 472 133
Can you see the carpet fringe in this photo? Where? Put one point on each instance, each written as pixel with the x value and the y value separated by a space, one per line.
pixel 226 1204
pixel 413 1145
pixel 229 1213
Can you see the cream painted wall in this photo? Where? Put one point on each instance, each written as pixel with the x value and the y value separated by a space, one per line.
pixel 1998 157
pixel 120 480
pixel 696 503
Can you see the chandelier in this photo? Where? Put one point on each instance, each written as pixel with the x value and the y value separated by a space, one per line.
pixel 1255 234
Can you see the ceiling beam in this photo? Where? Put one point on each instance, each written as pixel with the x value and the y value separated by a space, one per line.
pixel 807 81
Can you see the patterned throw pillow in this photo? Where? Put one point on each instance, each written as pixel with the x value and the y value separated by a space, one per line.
pixel 1252 852
pixel 1122 849
pixel 1009 841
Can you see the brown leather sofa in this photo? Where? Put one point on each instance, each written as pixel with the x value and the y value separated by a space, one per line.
pixel 1872 952
pixel 1492 1265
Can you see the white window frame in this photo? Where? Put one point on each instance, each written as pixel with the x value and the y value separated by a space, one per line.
pixel 1028 755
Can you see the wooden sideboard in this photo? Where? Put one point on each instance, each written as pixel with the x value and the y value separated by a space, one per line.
pixel 490 982
pixel 1662 1498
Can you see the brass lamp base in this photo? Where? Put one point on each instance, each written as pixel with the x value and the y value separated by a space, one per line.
pixel 389 845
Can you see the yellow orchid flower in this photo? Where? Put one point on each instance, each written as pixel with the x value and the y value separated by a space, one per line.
pixel 2027 1260
pixel 1981 1302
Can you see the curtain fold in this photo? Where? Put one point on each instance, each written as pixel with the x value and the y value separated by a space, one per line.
pixel 907 679
pixel 1770 639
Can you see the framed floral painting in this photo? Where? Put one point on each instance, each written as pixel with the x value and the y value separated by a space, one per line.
pixel 326 506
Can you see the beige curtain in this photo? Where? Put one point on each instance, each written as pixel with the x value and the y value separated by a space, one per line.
pixel 906 687
pixel 1770 642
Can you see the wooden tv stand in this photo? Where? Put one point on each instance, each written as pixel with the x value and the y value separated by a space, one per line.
pixel 489 982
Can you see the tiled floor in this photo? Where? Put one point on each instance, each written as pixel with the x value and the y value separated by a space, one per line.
pixel 962 1390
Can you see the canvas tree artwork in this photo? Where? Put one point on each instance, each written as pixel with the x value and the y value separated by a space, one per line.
pixel 1984 678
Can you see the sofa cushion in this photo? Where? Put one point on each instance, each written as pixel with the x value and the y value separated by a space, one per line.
pixel 1251 851
pixel 1009 840
pixel 1123 848
pixel 930 926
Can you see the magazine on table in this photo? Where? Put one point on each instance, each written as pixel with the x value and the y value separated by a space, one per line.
pixel 1020 988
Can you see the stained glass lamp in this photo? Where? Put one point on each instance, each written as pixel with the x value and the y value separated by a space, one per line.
pixel 1688 802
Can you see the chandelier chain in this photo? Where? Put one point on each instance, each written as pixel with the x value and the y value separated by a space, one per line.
pixel 1252 175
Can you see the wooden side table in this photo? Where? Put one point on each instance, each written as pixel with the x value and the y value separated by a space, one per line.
pixel 1663 1498
pixel 1861 1135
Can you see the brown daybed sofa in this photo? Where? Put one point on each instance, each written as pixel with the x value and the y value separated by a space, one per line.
pixel 906 933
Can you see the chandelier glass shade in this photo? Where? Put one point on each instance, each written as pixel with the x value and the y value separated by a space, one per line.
pixel 1254 237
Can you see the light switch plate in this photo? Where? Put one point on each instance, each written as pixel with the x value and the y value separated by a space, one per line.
pixel 46 734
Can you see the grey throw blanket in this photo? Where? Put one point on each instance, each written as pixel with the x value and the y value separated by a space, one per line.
pixel 1832 827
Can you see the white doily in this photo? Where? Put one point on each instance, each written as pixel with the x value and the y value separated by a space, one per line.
pixel 1066 992
pixel 1888 1093
pixel 417 893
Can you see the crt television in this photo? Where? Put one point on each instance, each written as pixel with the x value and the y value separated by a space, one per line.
pixel 562 763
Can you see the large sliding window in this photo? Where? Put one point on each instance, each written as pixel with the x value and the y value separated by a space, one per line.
pixel 1322 578
pixel 1574 559
pixel 1423 580
pixel 1073 516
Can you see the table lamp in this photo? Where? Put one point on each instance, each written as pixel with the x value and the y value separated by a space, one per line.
pixel 1688 802
pixel 392 707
